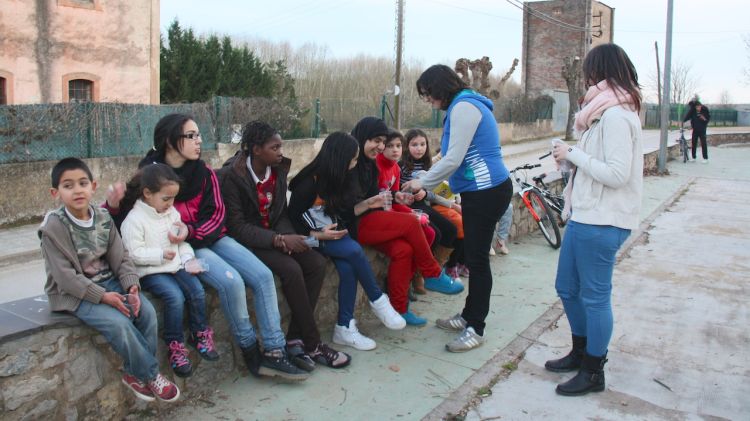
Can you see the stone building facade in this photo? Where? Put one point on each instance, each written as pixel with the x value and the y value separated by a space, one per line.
pixel 553 30
pixel 58 51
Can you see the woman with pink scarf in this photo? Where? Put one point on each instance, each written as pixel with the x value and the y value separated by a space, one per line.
pixel 602 202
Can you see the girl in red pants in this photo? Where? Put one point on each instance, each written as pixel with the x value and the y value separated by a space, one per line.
pixel 398 235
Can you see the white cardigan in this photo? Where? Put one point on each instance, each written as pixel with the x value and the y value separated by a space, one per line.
pixel 144 233
pixel 608 182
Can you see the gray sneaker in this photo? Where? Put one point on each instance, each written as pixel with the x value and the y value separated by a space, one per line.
pixel 455 323
pixel 466 341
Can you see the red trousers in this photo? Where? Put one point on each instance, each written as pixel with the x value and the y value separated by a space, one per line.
pixel 400 237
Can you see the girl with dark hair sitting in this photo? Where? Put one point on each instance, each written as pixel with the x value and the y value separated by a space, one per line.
pixel 254 185
pixel 323 205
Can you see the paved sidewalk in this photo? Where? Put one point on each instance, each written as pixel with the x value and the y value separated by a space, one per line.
pixel 679 348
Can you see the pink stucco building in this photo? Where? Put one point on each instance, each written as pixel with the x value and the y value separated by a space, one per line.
pixel 55 51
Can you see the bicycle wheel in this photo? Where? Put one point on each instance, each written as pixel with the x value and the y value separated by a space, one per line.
pixel 546 221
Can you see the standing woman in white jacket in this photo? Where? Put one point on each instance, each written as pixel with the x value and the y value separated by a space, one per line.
pixel 167 268
pixel 603 201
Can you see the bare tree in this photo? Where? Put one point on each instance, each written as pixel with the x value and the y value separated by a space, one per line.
pixel 725 98
pixel 571 72
pixel 684 84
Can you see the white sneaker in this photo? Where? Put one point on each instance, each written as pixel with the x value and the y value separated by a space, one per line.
pixel 492 251
pixel 704 161
pixel 384 311
pixel 350 336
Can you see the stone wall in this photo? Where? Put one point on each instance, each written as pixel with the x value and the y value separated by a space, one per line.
pixel 64 370
pixel 717 139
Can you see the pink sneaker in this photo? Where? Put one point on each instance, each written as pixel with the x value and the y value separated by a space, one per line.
pixel 164 389
pixel 452 272
pixel 463 270
pixel 140 389
pixel 178 359
pixel 203 342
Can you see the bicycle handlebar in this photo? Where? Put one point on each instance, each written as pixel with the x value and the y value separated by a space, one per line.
pixel 545 155
pixel 526 167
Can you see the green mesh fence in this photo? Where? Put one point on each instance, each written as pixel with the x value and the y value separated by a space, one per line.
pixel 92 130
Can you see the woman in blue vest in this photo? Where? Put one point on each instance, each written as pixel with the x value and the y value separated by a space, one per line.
pixel 473 164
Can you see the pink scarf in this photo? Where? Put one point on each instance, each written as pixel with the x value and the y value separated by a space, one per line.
pixel 598 99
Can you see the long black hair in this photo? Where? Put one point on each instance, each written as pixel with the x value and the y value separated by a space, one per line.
pixel 168 131
pixel 610 62
pixel 407 160
pixel 153 177
pixel 330 168
pixel 255 133
pixel 440 82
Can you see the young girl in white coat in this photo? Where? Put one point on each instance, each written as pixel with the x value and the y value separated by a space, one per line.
pixel 166 265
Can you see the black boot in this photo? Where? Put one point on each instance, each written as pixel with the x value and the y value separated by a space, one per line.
pixel 572 361
pixel 590 377
pixel 251 355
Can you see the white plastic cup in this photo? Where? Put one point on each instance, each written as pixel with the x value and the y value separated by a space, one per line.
pixel 196 265
pixel 130 304
pixel 564 165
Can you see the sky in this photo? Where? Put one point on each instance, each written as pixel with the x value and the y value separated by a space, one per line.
pixel 707 34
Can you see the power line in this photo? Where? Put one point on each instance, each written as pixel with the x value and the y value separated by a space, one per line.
pixel 549 19
pixel 478 12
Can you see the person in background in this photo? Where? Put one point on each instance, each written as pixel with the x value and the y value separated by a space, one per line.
pixel 699 117
pixel 502 232
pixel 602 204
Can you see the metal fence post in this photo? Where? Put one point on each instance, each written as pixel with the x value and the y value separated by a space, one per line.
pixel 89 131
pixel 382 108
pixel 316 120
pixel 217 118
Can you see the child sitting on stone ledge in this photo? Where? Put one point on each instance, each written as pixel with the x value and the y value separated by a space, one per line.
pixel 91 276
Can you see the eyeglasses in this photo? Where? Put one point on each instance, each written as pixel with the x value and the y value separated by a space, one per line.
pixel 191 136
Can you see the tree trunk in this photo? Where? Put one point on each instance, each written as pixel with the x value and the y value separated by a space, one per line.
pixel 571 72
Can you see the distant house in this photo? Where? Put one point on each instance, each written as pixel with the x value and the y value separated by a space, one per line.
pixel 54 51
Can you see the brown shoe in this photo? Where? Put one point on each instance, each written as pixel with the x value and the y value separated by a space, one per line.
pixel 418 284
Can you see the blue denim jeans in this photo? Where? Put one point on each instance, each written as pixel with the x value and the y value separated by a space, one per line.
pixel 231 268
pixel 134 340
pixel 175 290
pixel 584 281
pixel 352 265
pixel 503 225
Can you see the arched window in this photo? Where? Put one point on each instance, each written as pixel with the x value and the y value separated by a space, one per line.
pixel 3 95
pixel 80 90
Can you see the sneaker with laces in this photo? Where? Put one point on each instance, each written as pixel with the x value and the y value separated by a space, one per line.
pixel 275 363
pixel 350 336
pixel 203 342
pixel 444 284
pixel 455 323
pixel 251 355
pixel 138 387
pixel 178 359
pixel 492 251
pixel 163 389
pixel 384 311
pixel 463 270
pixel 466 341
pixel 295 349
pixel 329 357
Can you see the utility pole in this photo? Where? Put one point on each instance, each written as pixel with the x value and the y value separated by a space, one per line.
pixel 658 74
pixel 399 54
pixel 665 102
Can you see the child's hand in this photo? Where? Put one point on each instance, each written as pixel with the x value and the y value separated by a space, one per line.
pixel 135 300
pixel 375 202
pixel 420 195
pixel 456 207
pixel 404 198
pixel 117 301
pixel 169 254
pixel 179 234
pixel 115 193
pixel 330 233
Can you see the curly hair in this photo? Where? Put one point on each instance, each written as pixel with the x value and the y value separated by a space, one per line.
pixel 255 133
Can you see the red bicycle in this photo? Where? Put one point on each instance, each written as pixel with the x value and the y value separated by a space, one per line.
pixel 537 203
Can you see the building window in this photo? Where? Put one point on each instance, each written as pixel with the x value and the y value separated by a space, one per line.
pixel 80 90
pixel 82 4
pixel 3 96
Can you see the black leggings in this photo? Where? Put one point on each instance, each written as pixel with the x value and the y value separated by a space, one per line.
pixel 481 210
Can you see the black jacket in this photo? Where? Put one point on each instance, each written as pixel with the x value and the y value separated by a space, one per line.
pixel 243 219
pixel 698 124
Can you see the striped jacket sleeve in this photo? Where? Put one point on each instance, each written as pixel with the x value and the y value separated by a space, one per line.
pixel 209 225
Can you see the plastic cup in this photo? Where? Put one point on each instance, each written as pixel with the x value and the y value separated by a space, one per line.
pixel 130 300
pixel 196 265
pixel 387 201
pixel 417 214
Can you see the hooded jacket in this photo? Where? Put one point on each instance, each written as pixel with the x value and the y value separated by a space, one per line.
pixel 67 285
pixel 244 220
